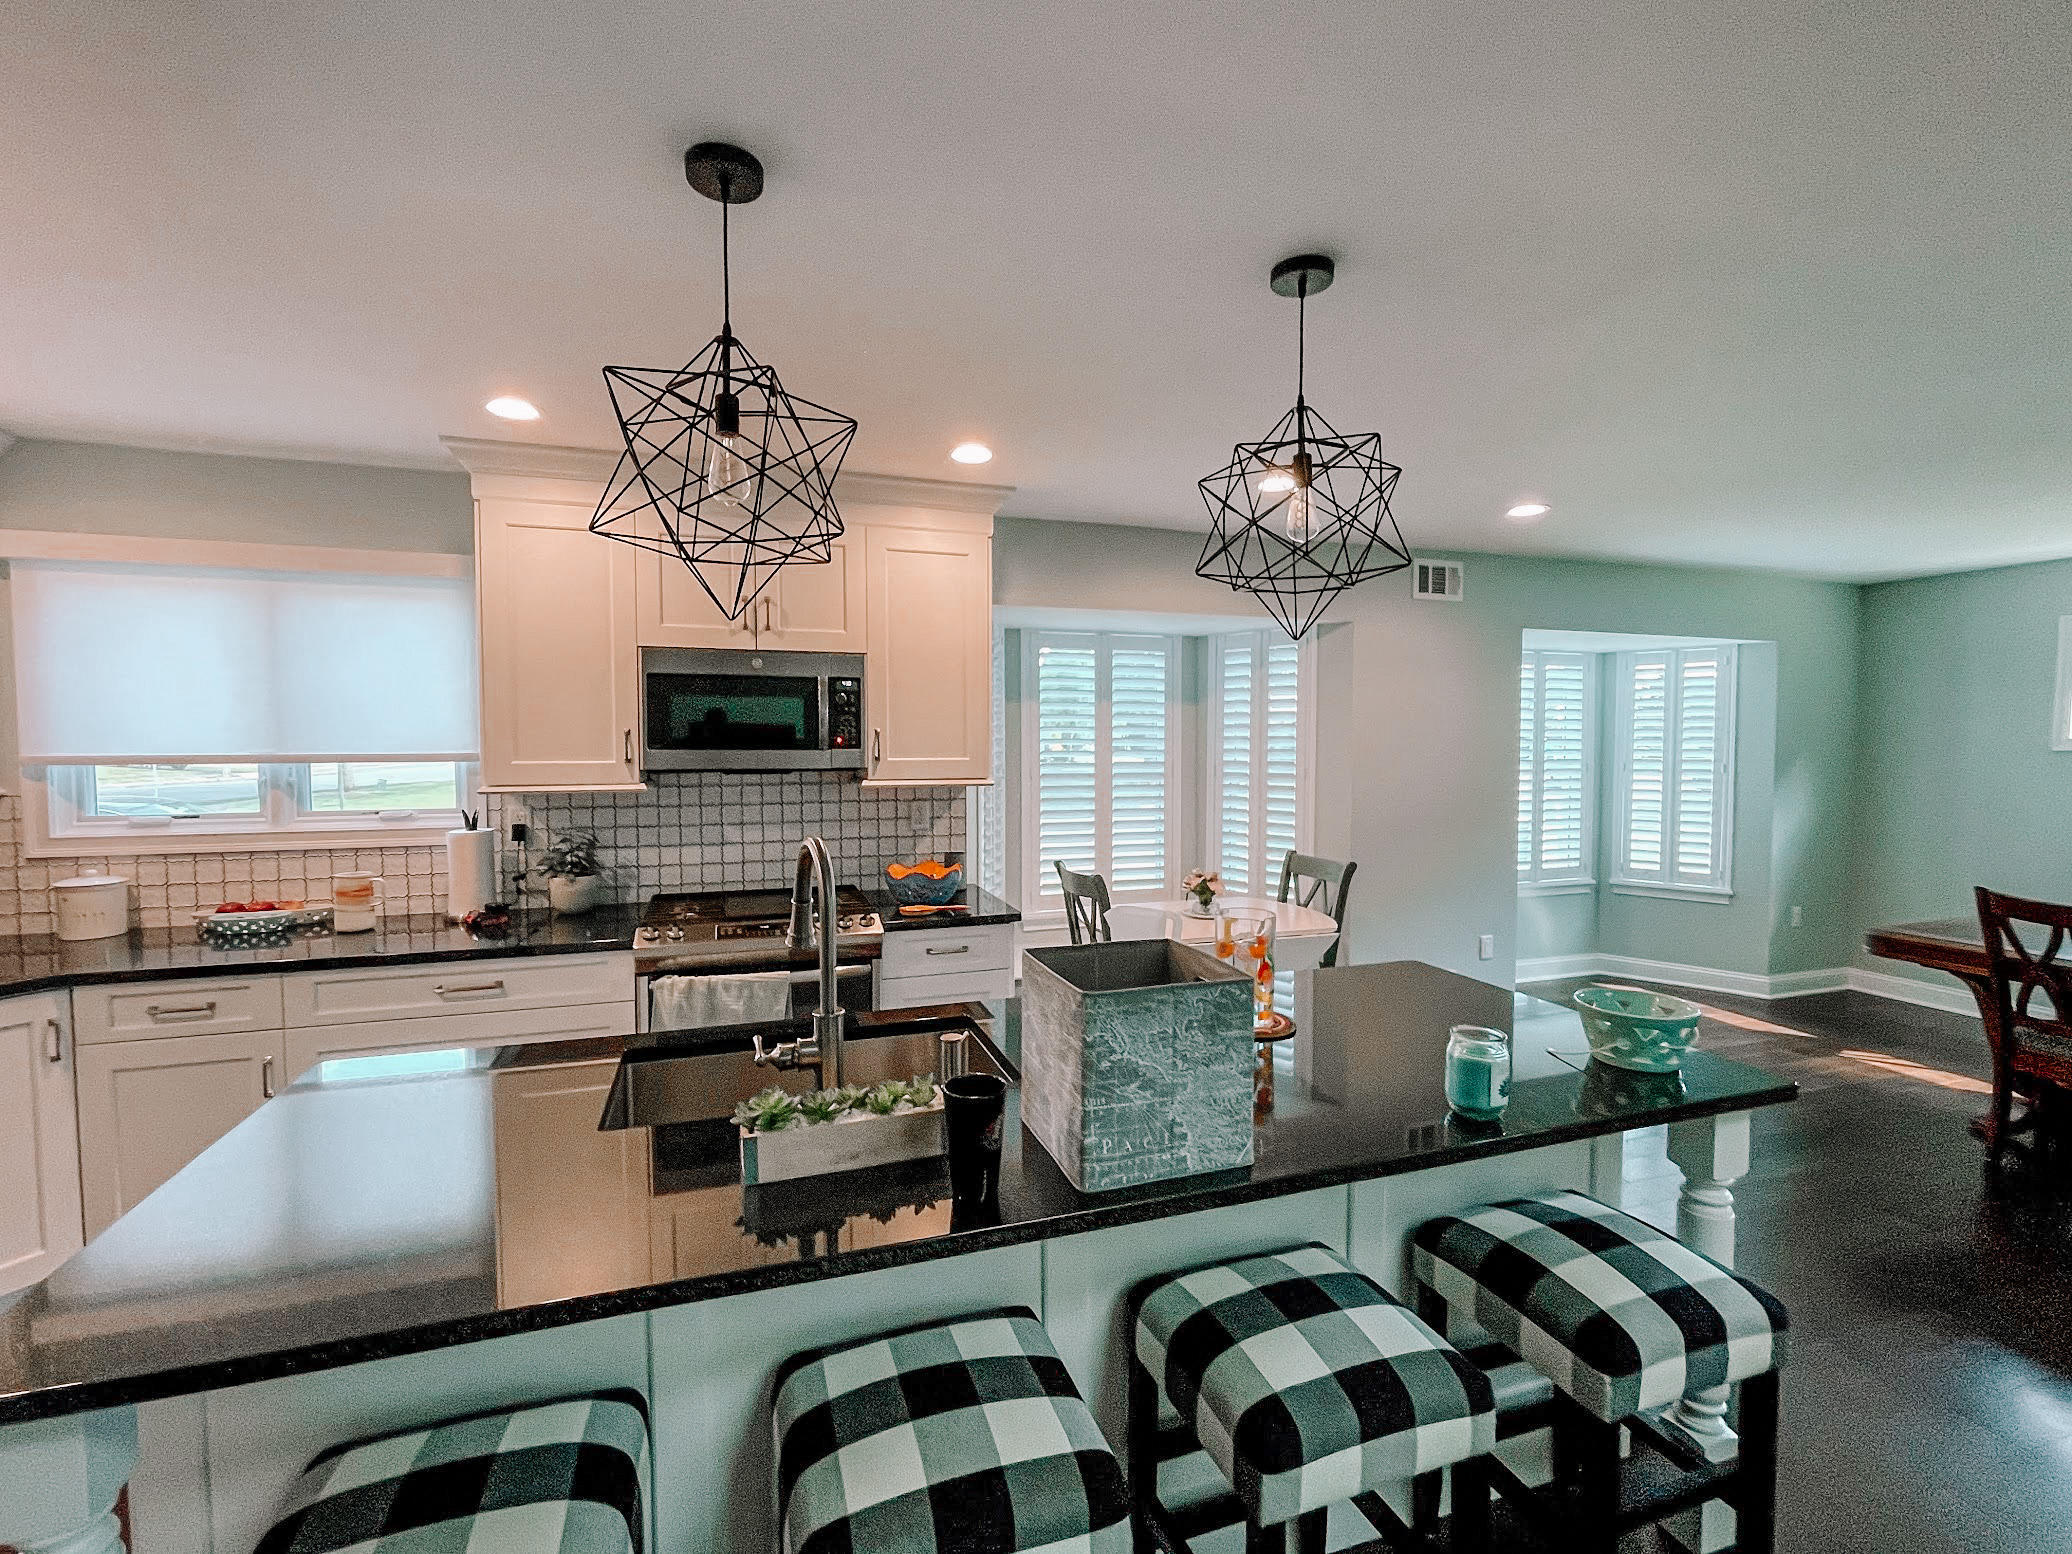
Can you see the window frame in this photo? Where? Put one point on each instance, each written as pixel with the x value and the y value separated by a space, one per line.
pixel 1267 884
pixel 1041 908
pixel 1623 880
pixel 56 827
pixel 2061 722
pixel 1534 880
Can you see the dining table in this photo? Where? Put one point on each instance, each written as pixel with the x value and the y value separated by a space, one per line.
pixel 1301 934
pixel 1956 945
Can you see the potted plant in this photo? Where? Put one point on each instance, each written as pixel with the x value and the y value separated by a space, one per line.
pixel 574 882
pixel 1204 889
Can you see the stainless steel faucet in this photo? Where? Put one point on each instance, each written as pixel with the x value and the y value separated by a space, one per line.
pixel 816 879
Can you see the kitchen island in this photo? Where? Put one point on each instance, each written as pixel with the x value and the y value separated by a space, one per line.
pixel 391 1241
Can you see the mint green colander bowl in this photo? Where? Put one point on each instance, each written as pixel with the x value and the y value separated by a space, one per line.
pixel 1631 1028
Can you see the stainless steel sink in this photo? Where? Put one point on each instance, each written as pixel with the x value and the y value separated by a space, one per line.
pixel 701 1076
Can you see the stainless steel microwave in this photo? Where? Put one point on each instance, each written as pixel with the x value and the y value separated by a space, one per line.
pixel 742 710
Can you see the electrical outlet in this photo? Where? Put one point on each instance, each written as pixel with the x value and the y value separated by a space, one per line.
pixel 1487 948
pixel 1798 917
pixel 520 833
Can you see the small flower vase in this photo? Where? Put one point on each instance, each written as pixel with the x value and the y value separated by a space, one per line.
pixel 573 895
pixel 1196 907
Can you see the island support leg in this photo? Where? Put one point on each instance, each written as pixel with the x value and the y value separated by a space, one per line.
pixel 1713 1154
pixel 60 1479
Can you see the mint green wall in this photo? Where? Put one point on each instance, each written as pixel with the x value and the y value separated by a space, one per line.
pixel 1959 784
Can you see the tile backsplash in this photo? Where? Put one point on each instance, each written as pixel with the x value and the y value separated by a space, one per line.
pixel 688 831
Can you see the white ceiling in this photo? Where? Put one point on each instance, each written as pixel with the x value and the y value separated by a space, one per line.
pixel 1780 285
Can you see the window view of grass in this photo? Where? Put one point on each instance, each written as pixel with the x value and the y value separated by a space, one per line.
pixel 366 785
pixel 161 789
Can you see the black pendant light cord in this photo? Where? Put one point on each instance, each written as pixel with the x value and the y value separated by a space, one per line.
pixel 726 275
pixel 1301 336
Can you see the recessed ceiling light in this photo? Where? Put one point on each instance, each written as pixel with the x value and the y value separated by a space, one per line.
pixel 971 453
pixel 1525 512
pixel 511 408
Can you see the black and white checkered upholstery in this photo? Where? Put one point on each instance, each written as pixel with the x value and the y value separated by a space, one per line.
pixel 1620 1316
pixel 965 1437
pixel 1305 1382
pixel 554 1478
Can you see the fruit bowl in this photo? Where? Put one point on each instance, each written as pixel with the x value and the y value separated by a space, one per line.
pixel 924 884
pixel 1632 1028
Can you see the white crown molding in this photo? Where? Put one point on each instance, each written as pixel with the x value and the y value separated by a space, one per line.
pixel 252 555
pixel 549 461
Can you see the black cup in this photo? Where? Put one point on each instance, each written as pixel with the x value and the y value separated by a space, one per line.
pixel 974 1109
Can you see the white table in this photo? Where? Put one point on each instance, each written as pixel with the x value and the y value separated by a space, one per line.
pixel 1301 934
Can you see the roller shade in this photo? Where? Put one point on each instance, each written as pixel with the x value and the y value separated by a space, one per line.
pixel 134 663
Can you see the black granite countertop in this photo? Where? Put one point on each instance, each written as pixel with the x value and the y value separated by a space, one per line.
pixel 971 907
pixel 37 964
pixel 384 1207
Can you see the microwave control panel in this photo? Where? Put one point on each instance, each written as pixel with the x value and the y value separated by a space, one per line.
pixel 844 713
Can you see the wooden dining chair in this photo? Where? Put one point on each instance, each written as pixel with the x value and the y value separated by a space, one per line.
pixel 1322 883
pixel 1086 906
pixel 2031 1046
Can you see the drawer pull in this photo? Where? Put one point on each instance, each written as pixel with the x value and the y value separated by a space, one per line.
pixel 266 1078
pixel 55 1051
pixel 172 1013
pixel 471 989
pixel 948 949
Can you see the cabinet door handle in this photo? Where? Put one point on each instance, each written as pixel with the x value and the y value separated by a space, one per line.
pixel 629 747
pixel 947 949
pixel 471 989
pixel 55 1049
pixel 877 747
pixel 266 1078
pixel 173 1013
pixel 769 614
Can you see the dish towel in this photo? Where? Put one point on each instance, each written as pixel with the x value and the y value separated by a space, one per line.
pixel 692 1003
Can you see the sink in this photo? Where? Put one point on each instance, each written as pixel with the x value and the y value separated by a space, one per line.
pixel 700 1076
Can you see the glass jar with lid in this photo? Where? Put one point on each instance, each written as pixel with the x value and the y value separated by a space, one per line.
pixel 1478 1072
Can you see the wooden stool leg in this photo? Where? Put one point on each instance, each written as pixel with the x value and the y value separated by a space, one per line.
pixel 1591 1449
pixel 1755 1487
pixel 1266 1540
pixel 1309 1531
pixel 1426 1490
pixel 1470 1522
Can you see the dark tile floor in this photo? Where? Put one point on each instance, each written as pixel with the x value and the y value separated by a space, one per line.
pixel 1928 1405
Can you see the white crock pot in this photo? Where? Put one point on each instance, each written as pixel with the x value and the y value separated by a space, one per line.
pixel 92 905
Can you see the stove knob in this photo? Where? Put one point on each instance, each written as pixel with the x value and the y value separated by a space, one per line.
pixel 845 924
pixel 647 935
pixel 673 933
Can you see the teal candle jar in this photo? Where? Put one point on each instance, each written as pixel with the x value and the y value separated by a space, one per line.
pixel 1478 1072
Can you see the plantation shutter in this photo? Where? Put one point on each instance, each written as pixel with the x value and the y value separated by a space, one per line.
pixel 1100 727
pixel 1556 786
pixel 1676 745
pixel 1233 808
pixel 1256 760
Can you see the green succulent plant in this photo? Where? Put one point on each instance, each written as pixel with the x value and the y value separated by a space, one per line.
pixel 822 1105
pixel 921 1092
pixel 884 1099
pixel 767 1111
pixel 852 1096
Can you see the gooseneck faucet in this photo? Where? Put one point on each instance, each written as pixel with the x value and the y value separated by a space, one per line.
pixel 815 882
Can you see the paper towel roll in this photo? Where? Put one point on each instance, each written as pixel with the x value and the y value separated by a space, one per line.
pixel 470 872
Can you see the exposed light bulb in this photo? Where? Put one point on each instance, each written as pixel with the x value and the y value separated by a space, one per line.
pixel 1279 480
pixel 725 473
pixel 510 407
pixel 1300 494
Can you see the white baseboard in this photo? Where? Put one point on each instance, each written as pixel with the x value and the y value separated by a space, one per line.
pixel 1953 999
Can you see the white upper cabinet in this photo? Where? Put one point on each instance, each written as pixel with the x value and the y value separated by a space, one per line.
pixel 928 679
pixel 805 608
pixel 560 666
pixel 40 1222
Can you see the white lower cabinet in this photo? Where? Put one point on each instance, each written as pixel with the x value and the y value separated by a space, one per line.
pixel 327 1043
pixel 148 1107
pixel 923 967
pixel 40 1222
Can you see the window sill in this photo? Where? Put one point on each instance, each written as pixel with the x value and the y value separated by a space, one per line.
pixel 155 841
pixel 1717 895
pixel 1557 887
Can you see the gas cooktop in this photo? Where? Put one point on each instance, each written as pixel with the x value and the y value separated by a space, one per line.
pixel 711 917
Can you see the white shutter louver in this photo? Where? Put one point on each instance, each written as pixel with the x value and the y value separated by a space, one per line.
pixel 1677 734
pixel 1066 803
pixel 1556 768
pixel 1256 760
pixel 1137 695
pixel 1280 814
pixel 1233 802
pixel 1647 781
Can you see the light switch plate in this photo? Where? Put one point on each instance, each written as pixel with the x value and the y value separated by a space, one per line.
pixel 1488 946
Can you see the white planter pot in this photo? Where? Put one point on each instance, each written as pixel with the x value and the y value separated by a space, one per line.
pixel 573 897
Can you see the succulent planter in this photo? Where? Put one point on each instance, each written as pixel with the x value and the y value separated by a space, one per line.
pixel 1136 1061
pixel 573 895
pixel 783 1139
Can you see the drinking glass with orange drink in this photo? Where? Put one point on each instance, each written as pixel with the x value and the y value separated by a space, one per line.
pixel 1245 939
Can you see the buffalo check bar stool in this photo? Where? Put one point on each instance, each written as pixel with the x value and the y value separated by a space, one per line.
pixel 1307 1385
pixel 1622 1320
pixel 567 1477
pixel 960 1437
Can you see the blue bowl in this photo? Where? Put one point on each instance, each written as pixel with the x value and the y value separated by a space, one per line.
pixel 920 890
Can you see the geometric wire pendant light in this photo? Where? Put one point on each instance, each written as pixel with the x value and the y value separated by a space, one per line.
pixel 1303 514
pixel 723 468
